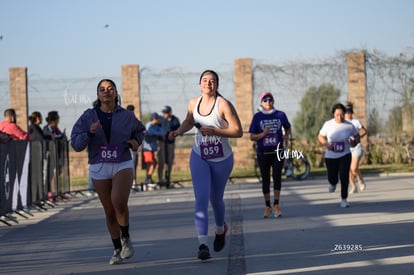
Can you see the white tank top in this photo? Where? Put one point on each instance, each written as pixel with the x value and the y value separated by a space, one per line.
pixel 211 148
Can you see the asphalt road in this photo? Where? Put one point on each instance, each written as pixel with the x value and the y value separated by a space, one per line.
pixel 314 236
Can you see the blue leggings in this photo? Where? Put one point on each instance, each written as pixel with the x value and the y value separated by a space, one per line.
pixel 209 182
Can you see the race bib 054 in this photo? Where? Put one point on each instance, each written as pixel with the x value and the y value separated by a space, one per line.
pixel 109 153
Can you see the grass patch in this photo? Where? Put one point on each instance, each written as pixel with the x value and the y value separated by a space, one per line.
pixel 387 168
pixel 78 183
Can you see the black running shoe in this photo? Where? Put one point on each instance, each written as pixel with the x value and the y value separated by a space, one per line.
pixel 203 252
pixel 220 240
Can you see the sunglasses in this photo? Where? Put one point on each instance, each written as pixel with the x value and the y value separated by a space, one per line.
pixel 267 99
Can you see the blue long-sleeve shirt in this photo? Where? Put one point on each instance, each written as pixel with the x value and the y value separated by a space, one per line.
pixel 124 126
pixel 152 134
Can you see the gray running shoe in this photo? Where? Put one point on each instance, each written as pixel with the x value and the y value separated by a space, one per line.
pixel 127 248
pixel 362 186
pixel 353 190
pixel 267 212
pixel 344 203
pixel 116 258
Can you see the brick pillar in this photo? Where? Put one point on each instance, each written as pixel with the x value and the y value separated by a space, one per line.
pixel 243 89
pixel 131 94
pixel 408 119
pixel 357 90
pixel 18 95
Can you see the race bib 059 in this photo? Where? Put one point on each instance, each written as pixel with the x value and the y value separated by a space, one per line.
pixel 211 150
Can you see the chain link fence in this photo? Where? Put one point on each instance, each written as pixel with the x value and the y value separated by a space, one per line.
pixel 389 83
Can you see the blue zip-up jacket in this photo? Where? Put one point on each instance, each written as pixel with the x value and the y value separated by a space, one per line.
pixel 152 134
pixel 124 126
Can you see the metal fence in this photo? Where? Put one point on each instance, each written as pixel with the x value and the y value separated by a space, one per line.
pixel 387 83
pixel 33 173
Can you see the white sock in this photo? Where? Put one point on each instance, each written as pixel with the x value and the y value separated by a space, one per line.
pixel 203 239
pixel 220 229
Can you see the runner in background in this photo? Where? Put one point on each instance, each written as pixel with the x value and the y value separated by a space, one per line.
pixel 356 152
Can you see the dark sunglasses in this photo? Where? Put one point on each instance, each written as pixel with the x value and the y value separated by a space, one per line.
pixel 267 99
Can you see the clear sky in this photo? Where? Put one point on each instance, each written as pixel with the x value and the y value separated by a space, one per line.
pixel 84 38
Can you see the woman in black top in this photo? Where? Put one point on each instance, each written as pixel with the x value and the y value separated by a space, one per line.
pixel 35 132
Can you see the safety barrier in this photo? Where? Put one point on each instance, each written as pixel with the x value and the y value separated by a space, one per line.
pixel 33 174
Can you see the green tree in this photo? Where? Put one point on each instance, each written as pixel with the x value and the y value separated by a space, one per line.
pixel 316 106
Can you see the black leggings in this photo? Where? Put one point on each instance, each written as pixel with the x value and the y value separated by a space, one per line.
pixel 266 162
pixel 340 165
